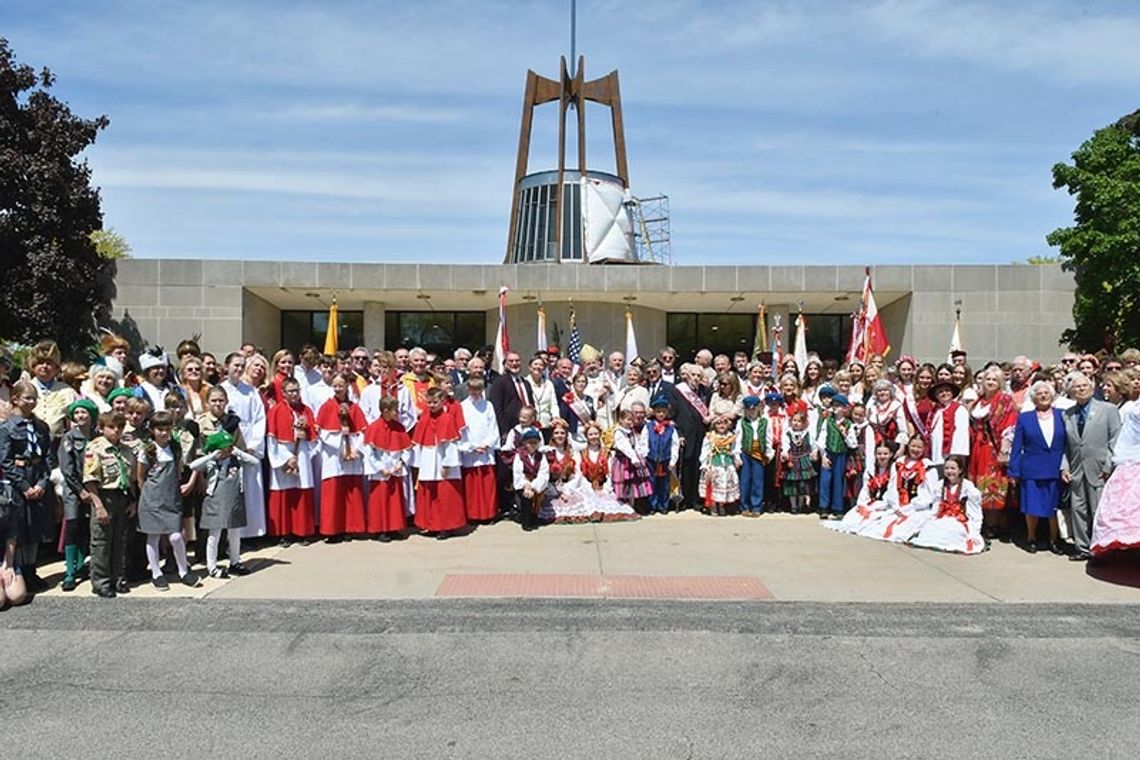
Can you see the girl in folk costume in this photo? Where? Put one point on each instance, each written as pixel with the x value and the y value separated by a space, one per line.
pixel 878 496
pixel 594 468
pixel 923 380
pixel 858 436
pixel 221 463
pixel 435 454
pixel 956 513
pixel 1116 525
pixel 564 502
pixel 906 368
pixel 664 449
pixel 886 419
pixel 915 481
pixel 577 409
pixel 530 475
pixel 720 483
pixel 992 422
pixel 629 468
pixel 291 443
pixel 387 461
pixel 340 426
pixel 160 499
pixel 912 470
pixel 754 451
pixel 949 424
pixel 799 452
pixel 477 447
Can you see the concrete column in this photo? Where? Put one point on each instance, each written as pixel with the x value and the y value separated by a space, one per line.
pixel 374 325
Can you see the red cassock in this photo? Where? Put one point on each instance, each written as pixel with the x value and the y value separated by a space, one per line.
pixel 386 507
pixel 439 499
pixel 342 494
pixel 480 492
pixel 290 510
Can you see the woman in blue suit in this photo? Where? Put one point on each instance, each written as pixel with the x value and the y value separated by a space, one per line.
pixel 1035 464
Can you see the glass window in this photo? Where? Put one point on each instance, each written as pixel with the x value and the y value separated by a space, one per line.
pixel 720 333
pixel 439 332
pixel 827 335
pixel 301 327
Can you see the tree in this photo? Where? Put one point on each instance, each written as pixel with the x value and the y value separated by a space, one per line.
pixel 55 282
pixel 1103 246
pixel 110 244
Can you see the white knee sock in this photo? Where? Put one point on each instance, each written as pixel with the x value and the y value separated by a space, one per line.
pixel 235 546
pixel 178 546
pixel 152 554
pixel 212 539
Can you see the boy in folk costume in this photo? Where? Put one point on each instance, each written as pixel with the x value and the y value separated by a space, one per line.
pixel 439 484
pixel 291 441
pixel 387 460
pixel 528 417
pixel 223 508
pixel 477 450
pixel 76 498
pixel 832 444
pixel 664 451
pixel 754 451
pixel 531 474
pixel 720 483
pixel 160 500
pixel 949 424
pixel 341 427
pixel 109 476
pixel 776 415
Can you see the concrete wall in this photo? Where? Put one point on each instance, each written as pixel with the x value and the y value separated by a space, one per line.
pixel 1006 310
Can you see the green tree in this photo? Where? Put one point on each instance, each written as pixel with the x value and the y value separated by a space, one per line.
pixel 109 244
pixel 1102 248
pixel 56 285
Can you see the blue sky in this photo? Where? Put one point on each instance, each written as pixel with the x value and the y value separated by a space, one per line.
pixel 832 132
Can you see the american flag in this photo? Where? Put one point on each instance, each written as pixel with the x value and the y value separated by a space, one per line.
pixel 574 348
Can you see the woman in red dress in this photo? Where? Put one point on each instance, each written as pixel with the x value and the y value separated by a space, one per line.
pixel 992 422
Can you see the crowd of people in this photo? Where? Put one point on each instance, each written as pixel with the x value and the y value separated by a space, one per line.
pixel 135 465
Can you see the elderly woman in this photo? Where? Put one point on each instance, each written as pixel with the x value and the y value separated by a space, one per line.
pixel 727 400
pixel 992 421
pixel 1035 464
pixel 630 393
pixel 886 419
pixel 102 378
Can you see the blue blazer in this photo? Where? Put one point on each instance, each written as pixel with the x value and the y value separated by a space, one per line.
pixel 1030 458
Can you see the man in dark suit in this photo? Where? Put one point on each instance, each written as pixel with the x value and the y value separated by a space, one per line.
pixel 460 374
pixel 561 374
pixel 510 393
pixel 658 386
pixel 1091 427
pixel 690 409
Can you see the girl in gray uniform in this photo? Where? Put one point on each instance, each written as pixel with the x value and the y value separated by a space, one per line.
pixel 160 502
pixel 224 505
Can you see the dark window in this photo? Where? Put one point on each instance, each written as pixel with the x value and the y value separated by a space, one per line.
pixel 439 332
pixel 301 327
pixel 719 333
pixel 827 335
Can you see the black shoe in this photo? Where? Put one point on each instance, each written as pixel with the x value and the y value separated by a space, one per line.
pixel 237 568
pixel 192 580
pixel 161 583
pixel 219 572
pixel 35 584
pixel 1056 548
pixel 284 543
pixel 1031 547
pixel 384 538
pixel 169 568
pixel 333 539
pixel 83 574
pixel 306 542
pixel 443 535
pixel 1080 557
pixel 122 587
pixel 68 584
pixel 105 592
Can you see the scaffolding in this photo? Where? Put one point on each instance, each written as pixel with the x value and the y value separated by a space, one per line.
pixel 651 229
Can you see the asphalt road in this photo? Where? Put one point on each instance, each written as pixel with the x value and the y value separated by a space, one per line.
pixel 567 679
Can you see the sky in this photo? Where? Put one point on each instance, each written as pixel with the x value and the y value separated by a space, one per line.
pixel 879 132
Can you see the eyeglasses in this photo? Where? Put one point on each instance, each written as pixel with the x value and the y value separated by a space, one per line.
pixel 1113 368
pixel 360 358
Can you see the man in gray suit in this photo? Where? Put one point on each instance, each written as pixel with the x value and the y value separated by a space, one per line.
pixel 1091 427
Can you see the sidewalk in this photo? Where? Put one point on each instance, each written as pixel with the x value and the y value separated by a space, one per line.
pixel 687 555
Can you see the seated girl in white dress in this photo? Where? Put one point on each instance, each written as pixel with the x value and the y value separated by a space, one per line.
pixel 955 505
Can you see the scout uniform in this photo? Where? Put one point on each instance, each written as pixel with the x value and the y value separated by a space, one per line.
pixel 76 511
pixel 108 467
